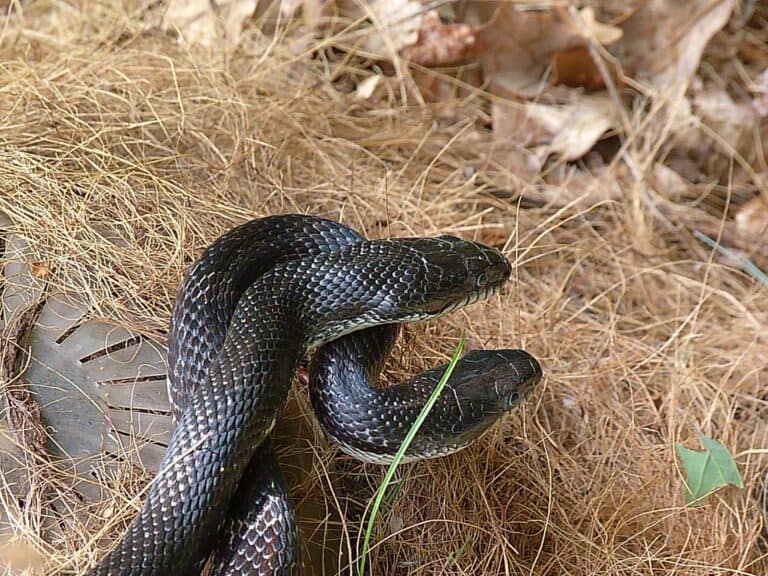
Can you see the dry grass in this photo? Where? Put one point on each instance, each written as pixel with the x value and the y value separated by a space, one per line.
pixel 122 154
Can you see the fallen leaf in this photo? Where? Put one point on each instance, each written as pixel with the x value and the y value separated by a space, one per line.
pixel 692 151
pixel 517 45
pixel 513 165
pixel 733 122
pixel 584 189
pixel 396 25
pixel 203 22
pixel 603 33
pixel 568 130
pixel 192 18
pixel 441 88
pixel 664 40
pixel 708 471
pixel 518 42
pixel 511 121
pixel 669 183
pixel 575 67
pixel 234 15
pixel 440 44
pixel 752 219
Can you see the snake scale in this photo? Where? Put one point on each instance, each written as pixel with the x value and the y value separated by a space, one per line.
pixel 249 309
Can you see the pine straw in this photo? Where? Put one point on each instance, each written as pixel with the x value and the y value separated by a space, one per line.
pixel 124 154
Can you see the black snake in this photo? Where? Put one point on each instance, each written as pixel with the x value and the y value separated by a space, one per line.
pixel 249 309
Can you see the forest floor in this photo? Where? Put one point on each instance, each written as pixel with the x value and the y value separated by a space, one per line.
pixel 639 144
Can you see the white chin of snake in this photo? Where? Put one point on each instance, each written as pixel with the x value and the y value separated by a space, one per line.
pixel 471 299
pixel 386 459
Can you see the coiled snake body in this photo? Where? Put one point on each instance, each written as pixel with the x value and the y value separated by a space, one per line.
pixel 248 310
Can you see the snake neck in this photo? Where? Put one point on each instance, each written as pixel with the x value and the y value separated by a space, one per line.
pixel 370 423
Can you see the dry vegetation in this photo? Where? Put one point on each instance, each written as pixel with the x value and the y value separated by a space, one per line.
pixel 124 151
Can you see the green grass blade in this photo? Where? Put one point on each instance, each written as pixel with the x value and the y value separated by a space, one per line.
pixel 403 448
pixel 745 263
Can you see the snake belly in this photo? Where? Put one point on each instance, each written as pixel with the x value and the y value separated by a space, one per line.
pixel 230 394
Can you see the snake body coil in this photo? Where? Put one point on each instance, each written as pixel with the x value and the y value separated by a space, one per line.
pixel 249 309
pixel 371 424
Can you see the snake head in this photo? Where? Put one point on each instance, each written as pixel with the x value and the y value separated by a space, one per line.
pixel 484 386
pixel 383 281
pixel 457 272
pixel 498 379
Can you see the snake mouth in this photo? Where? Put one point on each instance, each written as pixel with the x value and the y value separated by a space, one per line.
pixel 471 298
pixel 476 296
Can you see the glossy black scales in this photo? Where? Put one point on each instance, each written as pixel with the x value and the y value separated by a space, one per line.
pixel 249 309
pixel 371 423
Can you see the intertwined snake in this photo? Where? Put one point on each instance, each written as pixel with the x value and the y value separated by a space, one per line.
pixel 249 309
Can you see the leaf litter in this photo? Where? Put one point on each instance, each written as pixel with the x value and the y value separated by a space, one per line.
pixel 598 142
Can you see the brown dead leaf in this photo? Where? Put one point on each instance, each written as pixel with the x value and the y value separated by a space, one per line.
pixel 508 163
pixel 664 40
pixel 707 125
pixel 510 121
pixel 732 121
pixel 517 44
pixel 582 189
pixel 575 67
pixel 440 44
pixel 396 25
pixel 203 22
pixel 587 24
pixel 752 220
pixel 511 167
pixel 440 88
pixel 582 124
pixel 570 130
pixel 669 183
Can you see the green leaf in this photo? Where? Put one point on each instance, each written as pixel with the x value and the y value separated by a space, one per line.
pixel 401 452
pixel 707 471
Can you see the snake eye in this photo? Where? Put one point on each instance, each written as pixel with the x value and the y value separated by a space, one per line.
pixel 511 401
pixel 481 280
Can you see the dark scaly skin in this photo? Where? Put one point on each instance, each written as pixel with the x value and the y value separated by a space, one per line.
pixel 260 536
pixel 228 265
pixel 213 285
pixel 371 424
pixel 293 306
